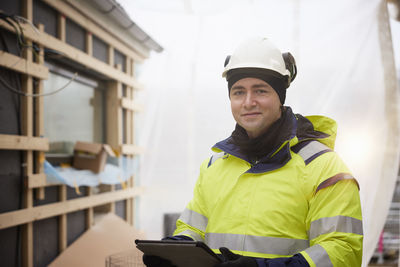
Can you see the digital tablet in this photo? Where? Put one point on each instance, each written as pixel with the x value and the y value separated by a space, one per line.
pixel 180 253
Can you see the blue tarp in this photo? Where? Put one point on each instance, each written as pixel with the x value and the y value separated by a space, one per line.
pixel 112 174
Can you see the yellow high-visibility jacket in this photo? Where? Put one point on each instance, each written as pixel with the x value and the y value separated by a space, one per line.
pixel 303 199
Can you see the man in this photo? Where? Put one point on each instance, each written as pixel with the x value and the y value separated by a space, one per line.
pixel 274 193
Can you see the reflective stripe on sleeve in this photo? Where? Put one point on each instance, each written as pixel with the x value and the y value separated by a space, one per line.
pixel 342 224
pixel 192 234
pixel 258 244
pixel 313 150
pixel 194 219
pixel 319 256
pixel 336 178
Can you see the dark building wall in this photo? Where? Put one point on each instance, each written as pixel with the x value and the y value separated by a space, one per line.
pixel 11 183
pixel 11 6
pixel 120 58
pixel 76 221
pixel 45 15
pixel 76 35
pixel 100 49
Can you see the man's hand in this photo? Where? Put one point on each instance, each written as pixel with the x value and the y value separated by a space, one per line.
pixel 154 261
pixel 231 259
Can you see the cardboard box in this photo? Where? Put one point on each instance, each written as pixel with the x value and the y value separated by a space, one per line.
pixel 91 156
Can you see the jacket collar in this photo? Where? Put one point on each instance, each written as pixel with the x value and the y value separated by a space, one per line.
pixel 302 130
pixel 269 162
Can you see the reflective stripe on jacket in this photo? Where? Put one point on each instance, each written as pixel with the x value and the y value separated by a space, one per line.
pixel 310 205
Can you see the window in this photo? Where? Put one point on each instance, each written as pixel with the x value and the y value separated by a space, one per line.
pixel 75 113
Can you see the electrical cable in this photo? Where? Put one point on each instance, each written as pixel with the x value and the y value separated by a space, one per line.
pixel 24 20
pixel 14 21
pixel 38 95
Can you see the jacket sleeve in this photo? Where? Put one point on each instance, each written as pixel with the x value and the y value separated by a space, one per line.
pixel 334 221
pixel 193 220
pixel 296 260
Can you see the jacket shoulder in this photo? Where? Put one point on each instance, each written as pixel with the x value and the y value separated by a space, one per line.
pixel 215 157
pixel 310 150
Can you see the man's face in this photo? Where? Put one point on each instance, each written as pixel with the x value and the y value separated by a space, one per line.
pixel 255 105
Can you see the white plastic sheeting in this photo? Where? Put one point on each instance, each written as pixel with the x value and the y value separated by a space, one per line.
pixel 346 71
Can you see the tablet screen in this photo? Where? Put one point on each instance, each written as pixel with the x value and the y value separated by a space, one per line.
pixel 180 253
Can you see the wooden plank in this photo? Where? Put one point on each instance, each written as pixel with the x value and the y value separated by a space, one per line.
pixel 112 204
pixel 128 149
pixel 128 66
pixel 22 216
pixel 39 119
pixel 92 25
pixel 89 43
pixel 129 116
pixel 89 211
pixel 18 142
pixel 27 129
pixel 76 55
pixel 62 228
pixel 130 104
pixel 110 55
pixel 130 204
pixel 36 180
pixel 61 27
pixel 27 9
pixel 114 123
pixel 27 245
pixel 21 65
pixel 114 114
pixel 129 140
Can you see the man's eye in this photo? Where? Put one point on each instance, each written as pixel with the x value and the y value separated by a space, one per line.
pixel 261 91
pixel 238 93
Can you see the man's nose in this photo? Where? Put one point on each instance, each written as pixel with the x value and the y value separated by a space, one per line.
pixel 249 101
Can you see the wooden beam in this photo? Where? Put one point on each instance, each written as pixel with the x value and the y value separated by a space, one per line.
pixel 18 142
pixel 21 65
pixel 36 180
pixel 127 149
pixel 114 124
pixel 89 43
pixel 61 27
pixel 27 130
pixel 89 211
pixel 130 204
pixel 76 55
pixel 14 218
pixel 129 140
pixel 39 120
pixel 62 219
pixel 92 26
pixel 114 114
pixel 110 55
pixel 27 9
pixel 128 66
pixel 130 104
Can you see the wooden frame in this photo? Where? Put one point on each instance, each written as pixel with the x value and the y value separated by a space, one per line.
pixel 98 28
pixel 17 142
pixel 23 216
pixel 33 145
pixel 23 66
pixel 76 55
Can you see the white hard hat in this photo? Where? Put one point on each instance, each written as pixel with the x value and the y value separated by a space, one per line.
pixel 261 53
